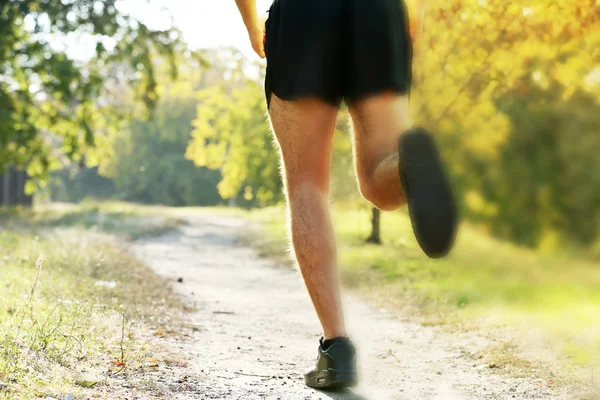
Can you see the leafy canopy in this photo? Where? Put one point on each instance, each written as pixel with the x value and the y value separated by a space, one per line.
pixel 54 107
pixel 512 89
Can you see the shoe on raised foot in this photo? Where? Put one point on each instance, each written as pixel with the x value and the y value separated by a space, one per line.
pixel 431 203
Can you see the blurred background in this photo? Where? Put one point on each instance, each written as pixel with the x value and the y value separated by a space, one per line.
pixel 162 103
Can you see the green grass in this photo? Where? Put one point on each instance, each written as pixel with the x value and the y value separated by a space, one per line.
pixel 72 327
pixel 66 284
pixel 483 282
pixel 126 220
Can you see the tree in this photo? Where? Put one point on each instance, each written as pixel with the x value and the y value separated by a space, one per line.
pixel 147 164
pixel 74 184
pixel 375 237
pixel 12 188
pixel 52 105
pixel 231 134
pixel 510 90
pixel 549 166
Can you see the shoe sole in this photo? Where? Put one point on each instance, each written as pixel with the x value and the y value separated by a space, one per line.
pixel 332 380
pixel 430 200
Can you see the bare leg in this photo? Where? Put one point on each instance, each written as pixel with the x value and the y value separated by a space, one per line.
pixel 378 123
pixel 304 131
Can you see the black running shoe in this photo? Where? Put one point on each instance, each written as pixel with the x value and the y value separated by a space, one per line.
pixel 431 204
pixel 336 366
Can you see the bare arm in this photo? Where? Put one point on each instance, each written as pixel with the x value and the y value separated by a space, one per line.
pixel 248 10
pixel 254 26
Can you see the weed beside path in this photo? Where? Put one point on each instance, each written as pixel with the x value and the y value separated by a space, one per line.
pixel 76 307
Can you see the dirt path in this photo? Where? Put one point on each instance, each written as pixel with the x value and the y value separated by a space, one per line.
pixel 257 332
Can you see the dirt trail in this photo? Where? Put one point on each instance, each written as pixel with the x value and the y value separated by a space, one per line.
pixel 257 331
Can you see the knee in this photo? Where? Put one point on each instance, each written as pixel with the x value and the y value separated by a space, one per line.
pixel 379 198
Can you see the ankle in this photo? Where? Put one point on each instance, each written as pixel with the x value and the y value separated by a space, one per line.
pixel 341 333
pixel 327 343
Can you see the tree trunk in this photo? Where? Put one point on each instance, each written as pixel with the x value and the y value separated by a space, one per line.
pixel 375 237
pixel 5 197
pixel 12 188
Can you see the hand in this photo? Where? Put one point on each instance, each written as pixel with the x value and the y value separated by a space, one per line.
pixel 415 11
pixel 257 38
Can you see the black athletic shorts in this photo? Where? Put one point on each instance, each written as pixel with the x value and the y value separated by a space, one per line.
pixel 337 49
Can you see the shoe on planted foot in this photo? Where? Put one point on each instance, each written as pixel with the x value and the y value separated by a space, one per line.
pixel 336 365
pixel 431 204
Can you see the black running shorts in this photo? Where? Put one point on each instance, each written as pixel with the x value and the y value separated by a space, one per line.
pixel 337 49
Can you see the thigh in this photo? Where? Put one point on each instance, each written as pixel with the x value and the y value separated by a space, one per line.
pixel 378 122
pixel 381 44
pixel 304 131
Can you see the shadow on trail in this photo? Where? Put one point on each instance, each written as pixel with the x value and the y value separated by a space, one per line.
pixel 345 394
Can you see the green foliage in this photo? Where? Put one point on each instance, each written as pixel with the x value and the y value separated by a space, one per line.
pixel 52 105
pixel 512 91
pixel 74 185
pixel 146 162
pixel 231 134
pixel 149 164
pixel 549 167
